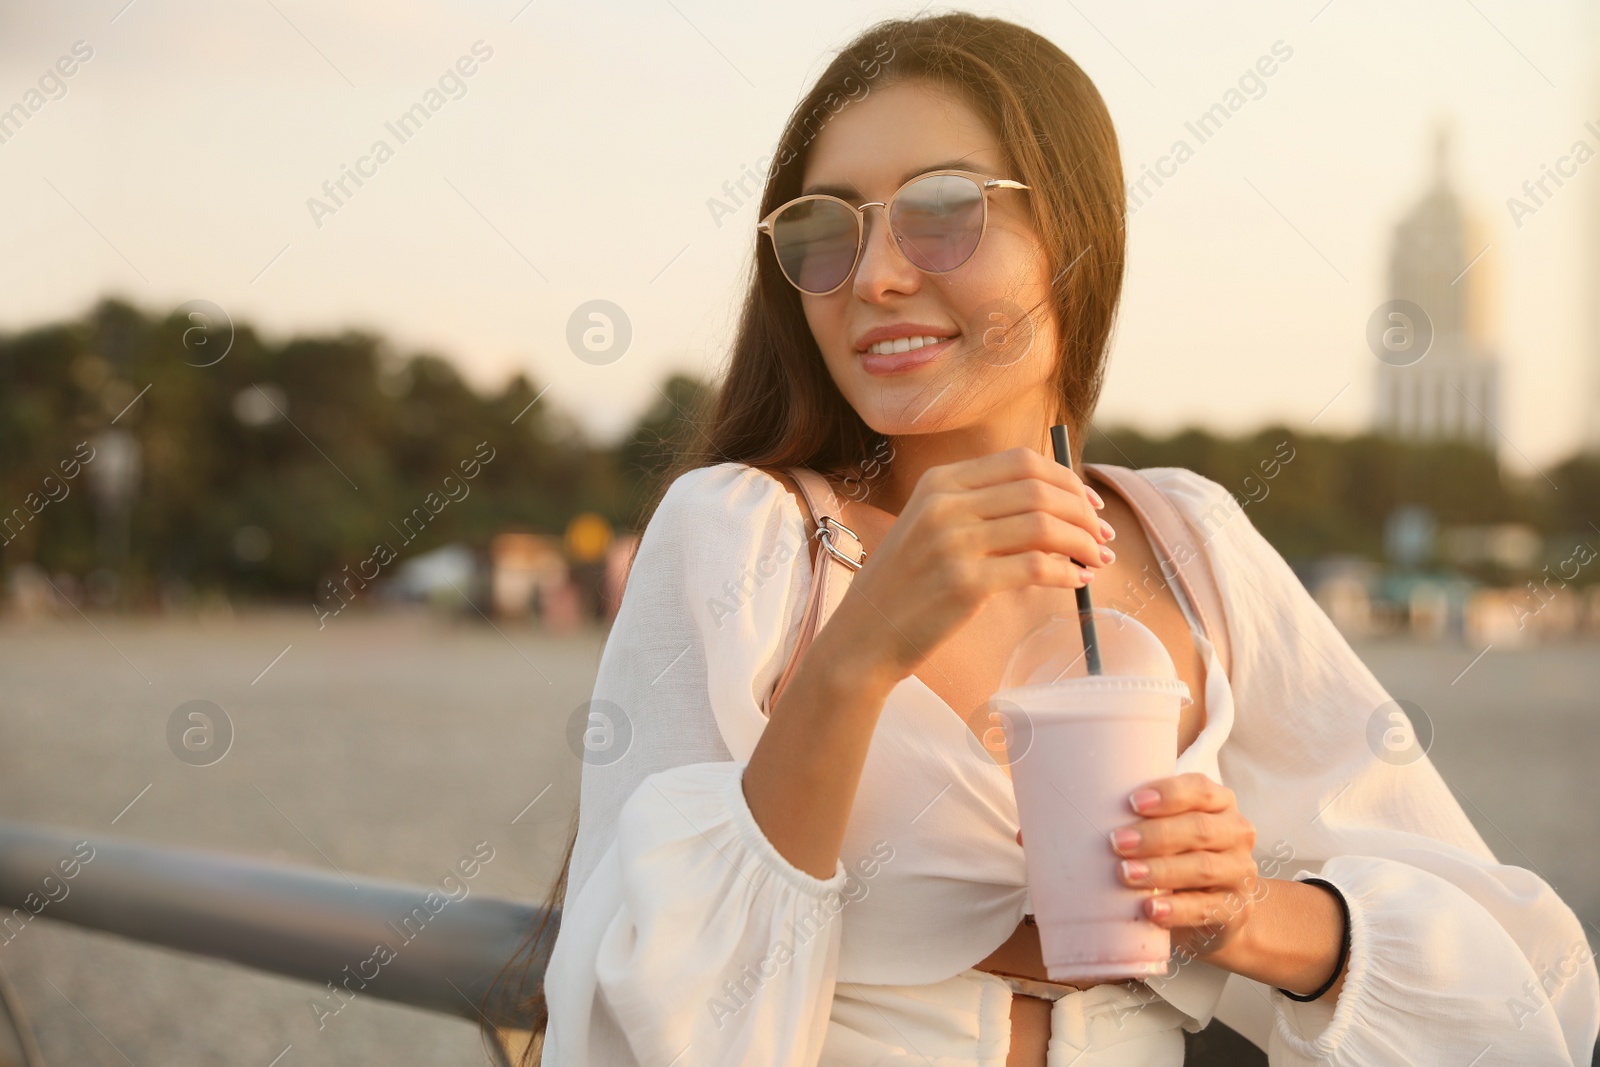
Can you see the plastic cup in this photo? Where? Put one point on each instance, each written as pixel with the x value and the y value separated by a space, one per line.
pixel 1078 747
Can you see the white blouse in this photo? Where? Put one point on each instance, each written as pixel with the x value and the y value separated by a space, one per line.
pixel 686 938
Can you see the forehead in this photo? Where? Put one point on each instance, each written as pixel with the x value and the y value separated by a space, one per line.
pixel 876 143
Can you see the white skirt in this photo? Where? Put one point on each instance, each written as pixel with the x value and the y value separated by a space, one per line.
pixel 966 1020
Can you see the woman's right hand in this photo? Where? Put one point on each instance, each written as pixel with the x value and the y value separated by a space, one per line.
pixel 970 530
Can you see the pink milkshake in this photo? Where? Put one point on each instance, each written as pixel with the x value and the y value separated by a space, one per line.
pixel 1078 744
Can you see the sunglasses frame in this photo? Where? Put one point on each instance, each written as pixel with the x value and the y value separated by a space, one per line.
pixel 985 186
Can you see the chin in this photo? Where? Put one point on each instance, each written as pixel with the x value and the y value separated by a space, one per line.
pixel 904 420
pixel 935 404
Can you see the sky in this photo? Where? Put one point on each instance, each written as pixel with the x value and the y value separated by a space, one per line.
pixel 580 159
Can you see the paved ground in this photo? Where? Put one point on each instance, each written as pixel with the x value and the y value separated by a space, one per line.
pixel 392 744
pixel 389 745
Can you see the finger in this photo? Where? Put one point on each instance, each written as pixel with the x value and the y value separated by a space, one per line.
pixel 1198 908
pixel 1022 569
pixel 1038 531
pixel 1171 835
pixel 1007 466
pixel 1193 791
pixel 1189 870
pixel 1036 494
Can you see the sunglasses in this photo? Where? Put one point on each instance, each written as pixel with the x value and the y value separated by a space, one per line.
pixel 937 220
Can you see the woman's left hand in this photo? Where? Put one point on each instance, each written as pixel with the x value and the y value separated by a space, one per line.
pixel 1195 846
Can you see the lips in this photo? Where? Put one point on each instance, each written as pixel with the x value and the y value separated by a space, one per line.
pixel 884 365
pixel 896 331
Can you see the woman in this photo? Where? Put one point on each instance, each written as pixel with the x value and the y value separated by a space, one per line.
pixel 836 877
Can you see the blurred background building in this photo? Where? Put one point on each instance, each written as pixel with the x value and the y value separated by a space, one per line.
pixel 1446 385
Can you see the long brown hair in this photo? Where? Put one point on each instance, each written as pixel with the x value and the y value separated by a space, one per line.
pixel 777 405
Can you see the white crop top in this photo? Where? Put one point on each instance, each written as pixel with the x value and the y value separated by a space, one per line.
pixel 687 938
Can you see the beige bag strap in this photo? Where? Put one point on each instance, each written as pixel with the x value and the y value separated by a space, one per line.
pixel 1177 551
pixel 837 557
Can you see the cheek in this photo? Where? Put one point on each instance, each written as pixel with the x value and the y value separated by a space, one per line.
pixel 824 314
pixel 1011 336
pixel 1015 280
pixel 1011 255
pixel 815 317
pixel 825 317
pixel 1006 276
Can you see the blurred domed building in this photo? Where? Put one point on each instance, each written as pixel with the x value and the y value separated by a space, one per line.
pixel 1443 382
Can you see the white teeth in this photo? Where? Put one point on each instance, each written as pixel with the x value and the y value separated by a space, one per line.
pixel 903 344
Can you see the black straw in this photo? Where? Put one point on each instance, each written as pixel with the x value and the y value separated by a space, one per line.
pixel 1091 642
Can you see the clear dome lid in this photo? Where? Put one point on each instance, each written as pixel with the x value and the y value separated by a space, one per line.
pixel 1053 652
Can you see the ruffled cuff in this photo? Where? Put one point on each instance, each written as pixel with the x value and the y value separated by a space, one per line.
pixel 756 841
pixel 1314 1029
pixel 1430 978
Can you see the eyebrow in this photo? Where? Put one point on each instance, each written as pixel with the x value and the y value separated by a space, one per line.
pixel 846 191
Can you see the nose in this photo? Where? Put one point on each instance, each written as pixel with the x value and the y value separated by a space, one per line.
pixel 883 268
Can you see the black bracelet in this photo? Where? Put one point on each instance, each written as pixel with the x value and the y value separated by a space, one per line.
pixel 1344 952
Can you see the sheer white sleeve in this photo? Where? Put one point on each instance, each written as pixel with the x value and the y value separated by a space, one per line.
pixel 1455 957
pixel 685 936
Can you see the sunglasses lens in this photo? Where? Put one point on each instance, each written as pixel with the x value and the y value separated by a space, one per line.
pixel 816 243
pixel 939 221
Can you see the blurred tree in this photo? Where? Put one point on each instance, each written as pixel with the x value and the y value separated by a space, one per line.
pixel 1312 495
pixel 660 434
pixel 274 466
pixel 269 469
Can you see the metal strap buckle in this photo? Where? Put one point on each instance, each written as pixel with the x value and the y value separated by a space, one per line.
pixel 823 534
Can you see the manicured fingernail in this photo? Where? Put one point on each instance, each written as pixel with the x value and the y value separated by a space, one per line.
pixel 1159 907
pixel 1106 530
pixel 1124 839
pixel 1134 870
pixel 1143 799
pixel 1106 555
pixel 1094 497
pixel 1088 575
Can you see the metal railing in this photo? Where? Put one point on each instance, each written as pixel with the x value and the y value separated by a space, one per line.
pixel 292 921
pixel 309 924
